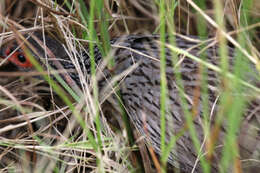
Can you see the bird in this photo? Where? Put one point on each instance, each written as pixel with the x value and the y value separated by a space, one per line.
pixel 137 59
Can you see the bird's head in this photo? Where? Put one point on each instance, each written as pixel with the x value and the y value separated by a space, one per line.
pixel 15 55
pixel 48 52
pixel 17 52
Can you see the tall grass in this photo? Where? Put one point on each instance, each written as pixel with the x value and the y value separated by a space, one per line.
pixel 95 21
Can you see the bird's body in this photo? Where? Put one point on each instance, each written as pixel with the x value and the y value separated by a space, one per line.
pixel 141 92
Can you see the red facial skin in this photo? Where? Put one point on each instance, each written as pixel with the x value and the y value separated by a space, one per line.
pixel 15 60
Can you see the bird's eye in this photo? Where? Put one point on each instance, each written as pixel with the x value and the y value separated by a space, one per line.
pixel 21 58
pixel 11 49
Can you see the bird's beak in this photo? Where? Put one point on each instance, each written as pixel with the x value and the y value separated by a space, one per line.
pixel 2 52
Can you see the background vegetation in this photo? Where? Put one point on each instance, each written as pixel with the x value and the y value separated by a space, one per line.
pixel 43 132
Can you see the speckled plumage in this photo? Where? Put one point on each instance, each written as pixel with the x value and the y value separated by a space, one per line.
pixel 140 90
